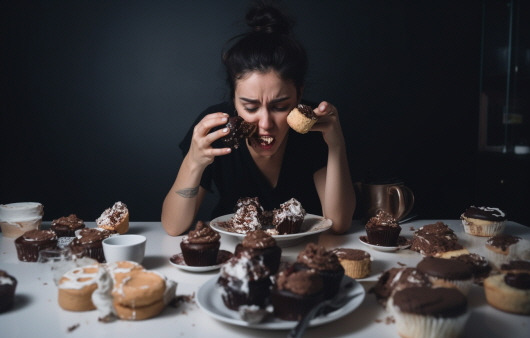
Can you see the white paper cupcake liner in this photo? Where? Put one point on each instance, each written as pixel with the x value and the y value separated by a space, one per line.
pixel 483 230
pixel 419 326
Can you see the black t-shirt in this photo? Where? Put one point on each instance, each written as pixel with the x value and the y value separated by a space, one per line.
pixel 236 175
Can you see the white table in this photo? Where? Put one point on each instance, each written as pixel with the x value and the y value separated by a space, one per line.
pixel 37 314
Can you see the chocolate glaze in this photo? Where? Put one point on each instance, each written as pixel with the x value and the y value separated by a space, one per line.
pixel 396 279
pixel 303 282
pixel 203 234
pixel 239 130
pixel 485 213
pixel 317 257
pixel 437 302
pixel 351 254
pixel 431 244
pixel 502 241
pixel 307 111
pixel 449 269
pixel 68 222
pixel 479 266
pixel 516 265
pixel 518 280
pixel 439 229
pixel 382 219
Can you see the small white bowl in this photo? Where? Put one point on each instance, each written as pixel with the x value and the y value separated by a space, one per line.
pixel 124 248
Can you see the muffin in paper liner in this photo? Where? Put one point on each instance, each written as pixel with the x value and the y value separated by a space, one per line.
pixel 417 326
pixel 482 229
pixel 462 285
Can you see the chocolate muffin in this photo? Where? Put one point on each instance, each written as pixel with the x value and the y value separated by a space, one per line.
pixel 396 279
pixel 31 242
pixel 356 263
pixel 501 249
pixel 325 263
pixel 244 280
pixel 479 266
pixel 66 226
pixel 295 293
pixel 261 245
pixel 288 218
pixel 509 292
pixel 447 273
pixel 427 312
pixel 201 246
pixel 239 130
pixel 383 229
pixel 8 284
pixel 483 221
pixel 88 243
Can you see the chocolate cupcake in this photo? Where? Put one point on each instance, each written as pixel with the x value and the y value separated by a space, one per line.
pixel 509 292
pixel 325 263
pixel 288 218
pixel 427 312
pixel 201 246
pixel 244 281
pixel 397 279
pixel 66 226
pixel 483 221
pixel 295 293
pixel 8 284
pixel 447 273
pixel 261 245
pixel 356 263
pixel 479 266
pixel 88 243
pixel 382 229
pixel 516 266
pixel 31 242
pixel 501 249
pixel 239 130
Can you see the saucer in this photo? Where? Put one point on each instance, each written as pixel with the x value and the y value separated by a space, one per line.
pixel 178 261
pixel 403 243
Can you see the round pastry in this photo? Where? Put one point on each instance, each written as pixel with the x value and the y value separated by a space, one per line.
pixel 509 292
pixel 8 284
pixel 447 273
pixel 122 269
pixel 427 312
pixel 261 245
pixel 244 281
pixel 325 263
pixel 479 266
pixel 295 293
pixel 76 288
pixel 239 130
pixel 201 246
pixel 396 279
pixel 356 263
pixel 382 229
pixel 31 242
pixel 483 221
pixel 288 218
pixel 115 218
pixel 66 226
pixel 302 118
pixel 88 243
pixel 501 249
pixel 17 218
pixel 140 295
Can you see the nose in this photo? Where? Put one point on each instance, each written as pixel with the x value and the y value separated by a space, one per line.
pixel 265 121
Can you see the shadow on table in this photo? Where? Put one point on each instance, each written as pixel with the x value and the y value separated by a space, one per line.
pixel 154 262
pixel 21 301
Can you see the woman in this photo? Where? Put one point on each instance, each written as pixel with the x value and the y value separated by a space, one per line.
pixel 266 72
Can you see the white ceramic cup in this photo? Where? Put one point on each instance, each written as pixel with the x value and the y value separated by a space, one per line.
pixel 126 247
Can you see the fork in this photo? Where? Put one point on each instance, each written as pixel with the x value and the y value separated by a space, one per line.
pixel 323 307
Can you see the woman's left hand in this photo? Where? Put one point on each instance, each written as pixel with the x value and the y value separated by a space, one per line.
pixel 328 123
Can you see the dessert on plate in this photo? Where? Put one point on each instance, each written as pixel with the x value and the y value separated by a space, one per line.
pixel 201 246
pixel 356 263
pixel 288 218
pixel 383 229
pixel 260 245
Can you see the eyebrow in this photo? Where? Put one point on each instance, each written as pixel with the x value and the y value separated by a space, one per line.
pixel 280 99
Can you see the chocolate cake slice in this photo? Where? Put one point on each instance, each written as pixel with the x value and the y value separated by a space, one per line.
pixel 239 130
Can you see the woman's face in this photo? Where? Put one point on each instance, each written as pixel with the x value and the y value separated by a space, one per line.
pixel 265 99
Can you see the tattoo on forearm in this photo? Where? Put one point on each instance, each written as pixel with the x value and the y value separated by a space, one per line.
pixel 188 192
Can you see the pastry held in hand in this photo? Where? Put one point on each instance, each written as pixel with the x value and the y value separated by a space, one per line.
pixel 239 130
pixel 302 118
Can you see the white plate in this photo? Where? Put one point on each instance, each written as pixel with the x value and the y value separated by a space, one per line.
pixel 383 248
pixel 312 224
pixel 210 301
pixel 178 261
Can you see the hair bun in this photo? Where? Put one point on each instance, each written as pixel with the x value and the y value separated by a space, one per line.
pixel 268 19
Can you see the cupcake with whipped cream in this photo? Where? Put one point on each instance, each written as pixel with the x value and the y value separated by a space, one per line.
pixel 17 218
pixel 201 246
pixel 261 245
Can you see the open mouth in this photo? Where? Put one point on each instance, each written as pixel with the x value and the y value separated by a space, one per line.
pixel 265 140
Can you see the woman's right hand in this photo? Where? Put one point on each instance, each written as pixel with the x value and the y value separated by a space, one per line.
pixel 201 151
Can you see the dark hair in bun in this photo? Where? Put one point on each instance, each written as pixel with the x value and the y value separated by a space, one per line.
pixel 269 45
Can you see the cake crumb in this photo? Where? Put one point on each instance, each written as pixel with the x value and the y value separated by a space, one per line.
pixel 73 327
pixel 401 264
pixel 107 319
pixel 412 229
pixel 190 299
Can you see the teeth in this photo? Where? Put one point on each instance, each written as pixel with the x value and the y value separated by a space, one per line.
pixel 266 139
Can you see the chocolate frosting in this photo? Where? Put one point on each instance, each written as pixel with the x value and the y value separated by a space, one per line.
pixel 437 302
pixel 317 257
pixel 70 222
pixel 485 213
pixel 258 239
pixel 438 229
pixel 203 234
pixel 239 129
pixel 516 265
pixel 518 280
pixel 91 235
pixel 351 254
pixel 502 241
pixel 307 111
pixel 479 266
pixel 449 269
pixel 382 219
pixel 396 279
pixel 431 244
pixel 303 282
pixel 39 235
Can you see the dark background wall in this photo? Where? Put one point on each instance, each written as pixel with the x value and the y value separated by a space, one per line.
pixel 97 94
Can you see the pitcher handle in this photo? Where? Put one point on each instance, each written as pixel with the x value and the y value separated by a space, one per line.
pixel 403 208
